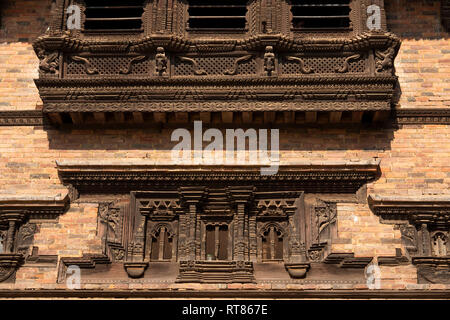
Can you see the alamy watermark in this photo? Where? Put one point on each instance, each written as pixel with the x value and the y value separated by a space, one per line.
pixel 373 276
pixel 215 153
pixel 73 279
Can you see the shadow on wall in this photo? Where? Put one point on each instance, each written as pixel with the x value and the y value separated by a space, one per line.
pixel 24 20
pixel 415 19
pixel 299 138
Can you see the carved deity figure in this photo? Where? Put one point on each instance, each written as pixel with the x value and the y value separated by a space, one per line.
pixel 49 63
pixel 440 244
pixel 160 61
pixel 269 60
pixel 385 59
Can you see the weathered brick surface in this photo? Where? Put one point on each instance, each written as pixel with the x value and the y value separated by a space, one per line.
pixel 423 63
pixel 414 159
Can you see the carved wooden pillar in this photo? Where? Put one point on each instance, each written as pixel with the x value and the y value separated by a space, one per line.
pixel 239 239
pixel 14 219
pixel 10 236
pixel 191 197
pixel 241 197
pixel 426 241
pixel 183 237
pixel 253 238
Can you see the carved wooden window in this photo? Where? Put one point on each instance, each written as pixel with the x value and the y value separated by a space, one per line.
pixel 161 244
pixel 216 242
pixel 113 15
pixel 272 243
pixel 217 14
pixel 320 14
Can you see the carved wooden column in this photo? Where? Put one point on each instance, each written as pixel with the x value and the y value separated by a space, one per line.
pixel 252 237
pixel 191 198
pixel 14 218
pixel 426 241
pixel 241 197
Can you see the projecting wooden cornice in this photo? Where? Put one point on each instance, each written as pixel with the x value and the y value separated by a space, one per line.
pixel 102 176
pixel 418 209
pixel 37 207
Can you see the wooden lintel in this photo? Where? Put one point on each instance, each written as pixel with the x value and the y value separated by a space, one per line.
pixel 100 117
pixel 55 118
pixel 138 117
pixel 311 116
pixel 160 117
pixel 77 118
pixel 335 116
pixel 227 117
pixel 205 117
pixel 357 116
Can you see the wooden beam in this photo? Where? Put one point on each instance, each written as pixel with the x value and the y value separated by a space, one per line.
pixel 311 116
pixel 138 117
pixel 227 117
pixel 119 117
pixel 100 117
pixel 77 117
pixel 335 116
pixel 55 118
pixel 205 117
pixel 380 116
pixel 181 117
pixel 269 116
pixel 160 117
pixel 247 117
pixel 289 116
pixel 357 116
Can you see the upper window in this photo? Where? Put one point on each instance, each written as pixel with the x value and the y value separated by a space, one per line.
pixel 320 14
pixel 217 14
pixel 113 15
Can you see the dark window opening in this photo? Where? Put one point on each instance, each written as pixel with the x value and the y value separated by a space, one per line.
pixel 218 14
pixel 320 14
pixel 272 244
pixel 161 246
pixel 216 242
pixel 113 15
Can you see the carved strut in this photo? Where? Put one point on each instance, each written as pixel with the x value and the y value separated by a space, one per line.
pixel 197 70
pixel 346 65
pixel 87 65
pixel 303 68
pixel 233 71
pixel 130 64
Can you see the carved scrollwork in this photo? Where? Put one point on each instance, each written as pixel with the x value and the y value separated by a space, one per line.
pixel 238 61
pixel 197 70
pixel 325 216
pixel 303 69
pixel 346 65
pixel 130 64
pixel 409 237
pixel 86 63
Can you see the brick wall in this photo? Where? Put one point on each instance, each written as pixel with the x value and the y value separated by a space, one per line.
pixel 423 63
